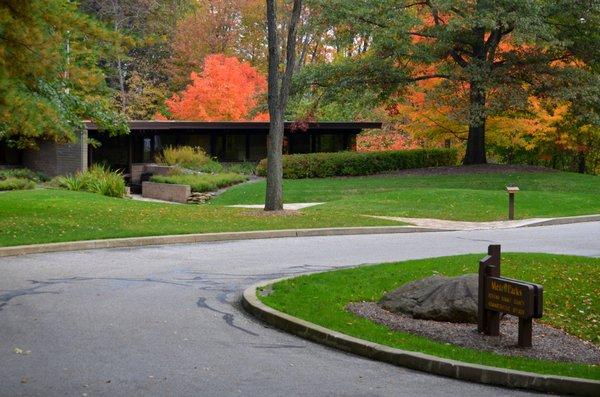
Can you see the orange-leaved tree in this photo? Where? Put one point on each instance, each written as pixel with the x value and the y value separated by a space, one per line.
pixel 225 90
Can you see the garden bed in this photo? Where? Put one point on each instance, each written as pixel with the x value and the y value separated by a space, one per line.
pixel 201 183
pixel 570 293
pixel 549 343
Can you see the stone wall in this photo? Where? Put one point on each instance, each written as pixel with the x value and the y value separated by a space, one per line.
pixel 58 159
pixel 166 192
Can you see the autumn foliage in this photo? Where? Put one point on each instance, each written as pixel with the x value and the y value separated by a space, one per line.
pixel 225 90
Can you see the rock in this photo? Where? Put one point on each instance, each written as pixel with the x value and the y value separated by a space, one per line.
pixel 438 298
pixel 199 198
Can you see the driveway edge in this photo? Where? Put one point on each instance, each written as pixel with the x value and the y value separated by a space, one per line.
pixel 565 220
pixel 203 238
pixel 415 360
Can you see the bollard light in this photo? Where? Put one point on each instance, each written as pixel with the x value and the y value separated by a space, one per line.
pixel 512 190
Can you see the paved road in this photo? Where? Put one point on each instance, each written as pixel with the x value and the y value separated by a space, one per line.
pixel 166 320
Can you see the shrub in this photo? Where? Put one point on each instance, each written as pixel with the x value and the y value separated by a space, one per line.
pixel 322 165
pixel 193 158
pixel 22 173
pixel 201 182
pixel 16 184
pixel 97 179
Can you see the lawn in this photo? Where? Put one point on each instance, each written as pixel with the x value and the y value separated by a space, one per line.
pixel 570 283
pixel 473 197
pixel 44 216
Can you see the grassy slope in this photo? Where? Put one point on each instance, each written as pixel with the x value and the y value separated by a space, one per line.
pixel 571 290
pixel 457 197
pixel 39 216
pixel 42 216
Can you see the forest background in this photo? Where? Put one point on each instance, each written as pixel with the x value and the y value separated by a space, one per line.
pixel 412 65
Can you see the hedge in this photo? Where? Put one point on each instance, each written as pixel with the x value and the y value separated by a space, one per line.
pixel 323 165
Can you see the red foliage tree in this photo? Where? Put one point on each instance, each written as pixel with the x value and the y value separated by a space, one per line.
pixel 226 90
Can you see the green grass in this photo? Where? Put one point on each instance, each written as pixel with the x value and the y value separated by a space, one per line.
pixel 44 216
pixel 571 292
pixel 202 182
pixel 475 197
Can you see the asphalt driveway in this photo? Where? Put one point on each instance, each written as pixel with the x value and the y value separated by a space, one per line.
pixel 166 320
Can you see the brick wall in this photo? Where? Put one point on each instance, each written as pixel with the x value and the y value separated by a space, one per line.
pixel 166 192
pixel 58 159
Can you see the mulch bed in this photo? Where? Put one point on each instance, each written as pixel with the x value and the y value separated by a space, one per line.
pixel 260 213
pixel 548 343
pixel 474 169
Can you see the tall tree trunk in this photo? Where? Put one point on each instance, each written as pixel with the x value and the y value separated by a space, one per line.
pixel 274 198
pixel 278 93
pixel 475 153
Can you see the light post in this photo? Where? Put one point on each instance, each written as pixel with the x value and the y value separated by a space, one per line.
pixel 511 201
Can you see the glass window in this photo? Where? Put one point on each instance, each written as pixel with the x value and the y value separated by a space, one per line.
pixel 258 147
pixel 235 147
pixel 330 143
pixel 299 142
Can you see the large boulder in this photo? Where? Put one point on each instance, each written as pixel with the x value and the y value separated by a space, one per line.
pixel 438 298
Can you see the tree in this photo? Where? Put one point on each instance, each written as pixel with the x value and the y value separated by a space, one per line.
pixel 145 98
pixel 499 53
pixel 49 78
pixel 230 27
pixel 153 24
pixel 226 90
pixel 278 94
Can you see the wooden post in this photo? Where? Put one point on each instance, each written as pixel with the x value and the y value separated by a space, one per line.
pixel 493 317
pixel 525 332
pixel 488 321
pixel 512 190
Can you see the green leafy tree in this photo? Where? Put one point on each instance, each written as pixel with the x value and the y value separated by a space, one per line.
pixel 49 78
pixel 494 54
pixel 152 24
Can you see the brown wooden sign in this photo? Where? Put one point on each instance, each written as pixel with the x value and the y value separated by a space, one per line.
pixel 513 297
pixel 505 295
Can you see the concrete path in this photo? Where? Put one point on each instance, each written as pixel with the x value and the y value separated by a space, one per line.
pixel 166 321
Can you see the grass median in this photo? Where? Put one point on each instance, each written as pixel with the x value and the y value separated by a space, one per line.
pixel 570 303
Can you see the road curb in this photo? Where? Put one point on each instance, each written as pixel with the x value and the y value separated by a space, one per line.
pixel 566 220
pixel 203 238
pixel 415 360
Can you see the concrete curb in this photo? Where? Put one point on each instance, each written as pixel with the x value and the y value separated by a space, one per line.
pixel 566 220
pixel 415 360
pixel 203 238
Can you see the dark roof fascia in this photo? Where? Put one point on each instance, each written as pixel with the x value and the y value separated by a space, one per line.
pixel 145 125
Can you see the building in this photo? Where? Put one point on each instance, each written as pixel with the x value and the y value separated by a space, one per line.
pixel 226 141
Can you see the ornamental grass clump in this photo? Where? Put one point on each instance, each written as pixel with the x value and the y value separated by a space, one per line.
pixel 193 158
pixel 97 179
